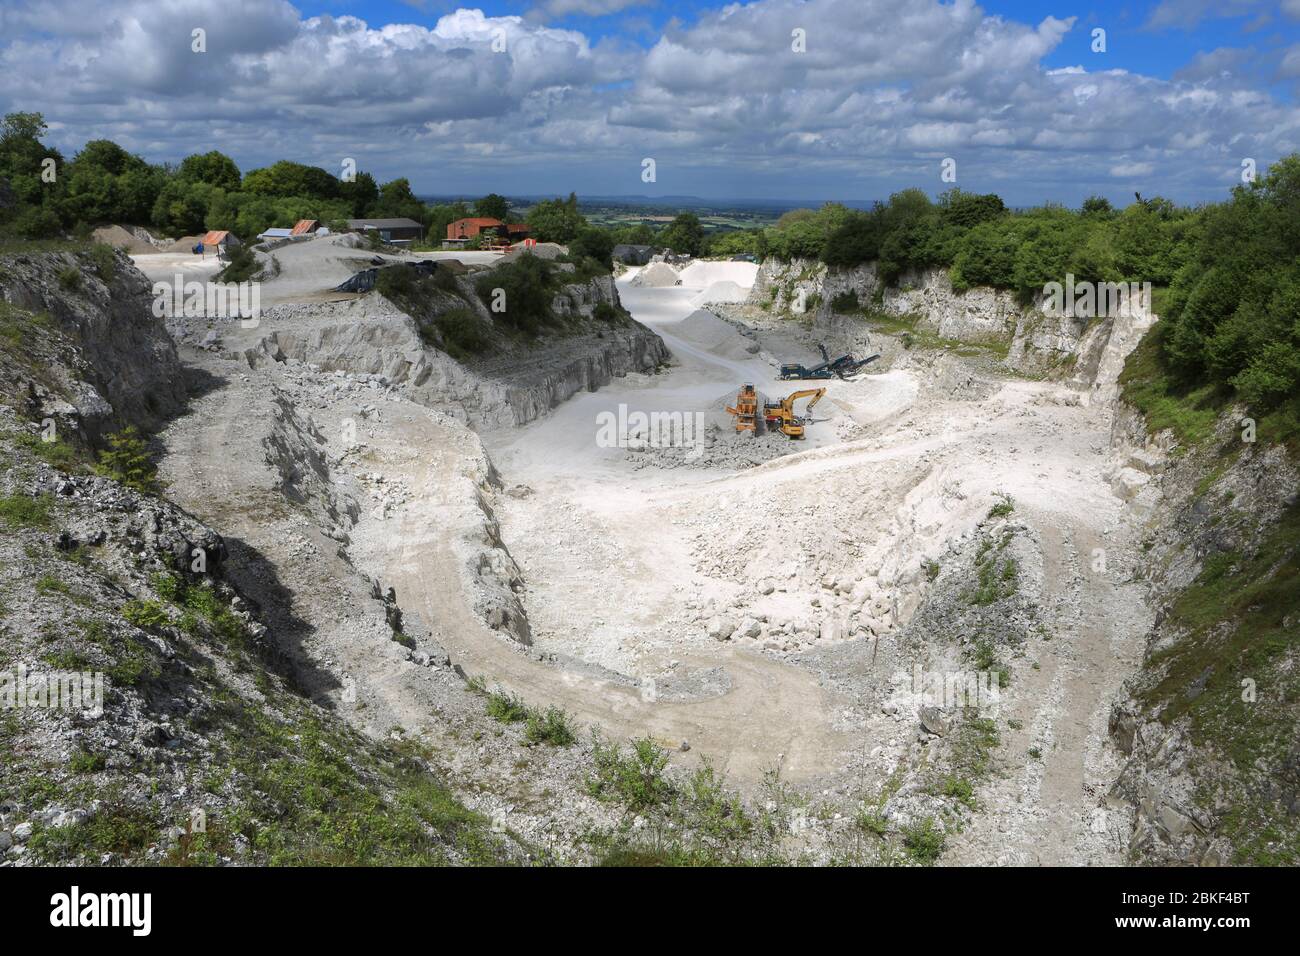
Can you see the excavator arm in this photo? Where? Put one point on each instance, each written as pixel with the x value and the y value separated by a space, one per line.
pixel 783 414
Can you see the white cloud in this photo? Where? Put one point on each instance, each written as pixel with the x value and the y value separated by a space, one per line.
pixel 883 88
pixel 1131 170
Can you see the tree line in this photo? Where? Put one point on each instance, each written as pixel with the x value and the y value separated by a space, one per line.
pixel 1230 270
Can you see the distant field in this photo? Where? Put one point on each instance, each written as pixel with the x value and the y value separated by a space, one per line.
pixel 613 216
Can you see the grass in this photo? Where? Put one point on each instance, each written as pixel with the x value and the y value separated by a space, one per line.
pixel 914 335
pixel 20 511
pixel 83 762
pixel 146 615
pixel 48 584
pixel 58 454
pixel 1189 411
pixel 1232 682
pixel 1005 505
pixel 998 577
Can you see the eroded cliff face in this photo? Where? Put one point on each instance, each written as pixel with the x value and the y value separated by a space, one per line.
pixel 1037 339
pixel 1208 724
pixel 97 356
pixel 374 338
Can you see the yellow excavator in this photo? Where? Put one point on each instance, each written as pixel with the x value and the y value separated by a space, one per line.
pixel 782 416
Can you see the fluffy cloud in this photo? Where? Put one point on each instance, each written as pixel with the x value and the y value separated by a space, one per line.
pixel 880 93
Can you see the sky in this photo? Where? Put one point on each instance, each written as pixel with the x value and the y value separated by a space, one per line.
pixel 770 99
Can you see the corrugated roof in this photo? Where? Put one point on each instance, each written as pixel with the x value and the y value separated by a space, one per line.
pixel 215 237
pixel 303 226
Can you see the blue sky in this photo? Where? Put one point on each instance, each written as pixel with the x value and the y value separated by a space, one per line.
pixel 582 92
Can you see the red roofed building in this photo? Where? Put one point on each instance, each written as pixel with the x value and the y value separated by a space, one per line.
pixel 469 228
pixel 305 227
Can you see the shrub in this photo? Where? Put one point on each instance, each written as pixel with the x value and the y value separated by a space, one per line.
pixel 846 302
pixel 552 727
pixel 242 267
pixel 506 708
pixel 595 244
pixel 462 333
pixel 70 278
pixel 146 615
pixel 635 779
pixel 923 841
pixel 525 291
pixel 128 461
pixel 105 259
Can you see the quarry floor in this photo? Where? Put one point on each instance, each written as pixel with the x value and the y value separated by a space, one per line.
pixel 635 558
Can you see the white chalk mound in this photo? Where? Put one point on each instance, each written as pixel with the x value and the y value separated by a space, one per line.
pixel 725 291
pixel 656 275
pixel 703 273
pixel 706 331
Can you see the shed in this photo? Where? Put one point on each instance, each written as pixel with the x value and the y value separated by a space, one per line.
pixel 396 231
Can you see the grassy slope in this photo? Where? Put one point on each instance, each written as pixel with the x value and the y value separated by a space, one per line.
pixel 1237 622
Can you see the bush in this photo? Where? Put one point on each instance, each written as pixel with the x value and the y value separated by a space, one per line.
pixel 128 461
pixel 146 615
pixel 523 289
pixel 242 267
pixel 846 302
pixel 397 282
pixel 105 259
pixel 923 841
pixel 635 779
pixel 462 333
pixel 70 279
pixel 506 708
pixel 552 727
pixel 595 244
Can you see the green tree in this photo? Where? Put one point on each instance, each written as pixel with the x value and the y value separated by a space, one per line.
pixel 438 217
pixel 396 201
pixel 286 178
pixel 684 235
pixel 492 206
pixel 556 220
pixel 214 168
pixel 967 210
pixel 22 155
pixel 360 194
pixel 594 243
